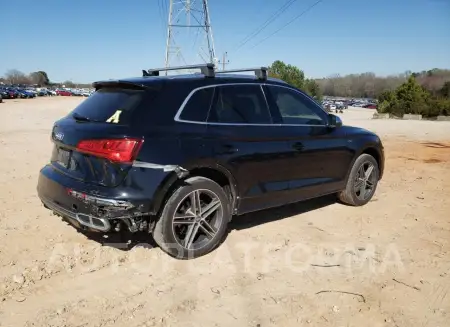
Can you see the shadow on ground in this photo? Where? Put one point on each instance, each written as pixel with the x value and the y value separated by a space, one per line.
pixel 288 211
pixel 126 241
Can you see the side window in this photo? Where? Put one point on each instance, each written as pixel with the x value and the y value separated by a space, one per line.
pixel 197 107
pixel 240 104
pixel 296 108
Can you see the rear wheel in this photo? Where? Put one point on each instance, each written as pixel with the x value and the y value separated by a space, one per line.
pixel 362 181
pixel 194 220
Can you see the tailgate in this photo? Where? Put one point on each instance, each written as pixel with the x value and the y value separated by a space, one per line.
pixel 88 142
pixel 84 166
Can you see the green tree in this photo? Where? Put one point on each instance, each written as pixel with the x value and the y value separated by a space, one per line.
pixel 445 90
pixel 288 73
pixel 40 78
pixel 313 89
pixel 295 77
pixel 387 103
pixel 413 97
pixel 69 84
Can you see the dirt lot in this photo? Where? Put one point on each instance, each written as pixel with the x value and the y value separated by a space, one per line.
pixel 289 266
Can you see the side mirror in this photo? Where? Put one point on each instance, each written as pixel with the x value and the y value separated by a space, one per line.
pixel 334 121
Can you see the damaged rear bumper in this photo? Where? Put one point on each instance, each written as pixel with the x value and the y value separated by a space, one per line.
pixel 88 221
pixel 100 208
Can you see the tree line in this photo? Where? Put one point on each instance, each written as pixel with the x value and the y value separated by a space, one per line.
pixel 368 85
pixel 412 97
pixel 295 77
pixel 425 92
pixel 14 76
pixel 39 78
pixel 365 85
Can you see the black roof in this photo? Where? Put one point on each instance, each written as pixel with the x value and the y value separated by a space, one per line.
pixel 198 78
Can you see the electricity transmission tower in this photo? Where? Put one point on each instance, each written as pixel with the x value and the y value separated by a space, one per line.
pixel 189 34
pixel 224 61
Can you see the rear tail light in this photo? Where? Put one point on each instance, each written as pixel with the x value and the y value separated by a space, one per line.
pixel 117 150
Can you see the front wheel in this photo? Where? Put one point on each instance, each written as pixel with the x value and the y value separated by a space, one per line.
pixel 362 181
pixel 194 220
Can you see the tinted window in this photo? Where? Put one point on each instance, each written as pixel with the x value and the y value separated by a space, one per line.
pixel 241 104
pixel 197 107
pixel 295 108
pixel 111 105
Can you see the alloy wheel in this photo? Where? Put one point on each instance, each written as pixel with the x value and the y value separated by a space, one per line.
pixel 197 219
pixel 365 181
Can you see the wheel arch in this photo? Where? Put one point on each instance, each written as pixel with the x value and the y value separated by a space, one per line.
pixel 374 151
pixel 216 173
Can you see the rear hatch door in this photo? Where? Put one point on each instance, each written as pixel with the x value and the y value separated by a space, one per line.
pixel 96 143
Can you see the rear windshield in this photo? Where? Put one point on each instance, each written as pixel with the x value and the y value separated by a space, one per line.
pixel 110 105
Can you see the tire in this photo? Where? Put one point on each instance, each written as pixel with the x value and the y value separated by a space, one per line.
pixel 352 195
pixel 168 229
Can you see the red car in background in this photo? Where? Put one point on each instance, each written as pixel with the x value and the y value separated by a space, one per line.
pixel 370 106
pixel 63 93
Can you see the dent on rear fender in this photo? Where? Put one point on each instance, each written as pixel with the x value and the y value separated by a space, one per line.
pixel 180 171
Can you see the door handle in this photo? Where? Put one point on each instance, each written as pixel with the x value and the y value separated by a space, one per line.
pixel 298 146
pixel 226 149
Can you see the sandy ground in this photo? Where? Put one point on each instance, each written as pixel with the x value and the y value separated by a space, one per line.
pixel 317 263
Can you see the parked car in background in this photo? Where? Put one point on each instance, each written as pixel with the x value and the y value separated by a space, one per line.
pixel 5 94
pixel 31 91
pixel 42 92
pixel 13 94
pixel 370 106
pixel 24 94
pixel 63 92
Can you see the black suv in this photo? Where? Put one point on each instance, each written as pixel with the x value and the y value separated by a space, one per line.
pixel 179 155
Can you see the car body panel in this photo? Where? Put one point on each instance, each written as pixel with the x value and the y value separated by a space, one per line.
pixel 265 165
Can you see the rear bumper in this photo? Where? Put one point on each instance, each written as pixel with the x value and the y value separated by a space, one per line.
pixel 96 207
pixel 80 220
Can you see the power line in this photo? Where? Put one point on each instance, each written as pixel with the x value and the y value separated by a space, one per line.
pixel 165 14
pixel 161 13
pixel 289 23
pixel 274 16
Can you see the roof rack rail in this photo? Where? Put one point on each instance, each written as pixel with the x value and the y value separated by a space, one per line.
pixel 205 69
pixel 260 72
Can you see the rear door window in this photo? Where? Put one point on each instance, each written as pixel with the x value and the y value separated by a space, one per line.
pixel 110 105
pixel 239 104
pixel 197 107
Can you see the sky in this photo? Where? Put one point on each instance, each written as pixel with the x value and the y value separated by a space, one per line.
pixel 84 41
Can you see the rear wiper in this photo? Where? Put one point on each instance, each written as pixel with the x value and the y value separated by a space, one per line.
pixel 78 117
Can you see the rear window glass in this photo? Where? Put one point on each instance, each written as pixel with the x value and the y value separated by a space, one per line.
pixel 240 104
pixel 110 105
pixel 197 107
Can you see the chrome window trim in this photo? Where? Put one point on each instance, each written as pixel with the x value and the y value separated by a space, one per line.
pixel 305 95
pixel 180 110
